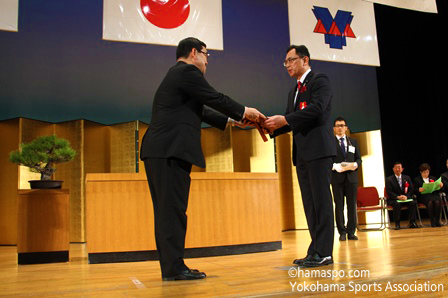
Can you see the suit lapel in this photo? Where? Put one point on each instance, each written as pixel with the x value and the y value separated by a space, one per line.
pixel 292 94
pixel 308 78
pixel 349 143
pixel 420 179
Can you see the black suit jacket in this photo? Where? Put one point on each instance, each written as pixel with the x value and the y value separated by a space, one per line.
pixel 311 126
pixel 445 182
pixel 178 111
pixel 352 176
pixel 393 189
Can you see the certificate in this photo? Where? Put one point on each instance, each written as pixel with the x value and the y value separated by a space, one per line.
pixel 431 186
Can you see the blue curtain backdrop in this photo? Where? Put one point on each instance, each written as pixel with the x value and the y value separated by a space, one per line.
pixel 58 68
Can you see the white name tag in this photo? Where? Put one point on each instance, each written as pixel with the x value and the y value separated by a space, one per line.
pixel 351 149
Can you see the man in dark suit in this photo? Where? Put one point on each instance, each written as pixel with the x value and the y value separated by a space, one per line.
pixel 398 189
pixel 344 180
pixel 308 116
pixel 172 144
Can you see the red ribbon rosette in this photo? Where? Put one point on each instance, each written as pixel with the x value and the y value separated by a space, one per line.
pixel 406 186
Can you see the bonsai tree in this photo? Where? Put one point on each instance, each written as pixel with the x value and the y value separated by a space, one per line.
pixel 42 154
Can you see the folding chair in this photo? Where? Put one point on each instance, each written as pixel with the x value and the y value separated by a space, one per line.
pixel 368 200
pixel 390 208
pixel 443 214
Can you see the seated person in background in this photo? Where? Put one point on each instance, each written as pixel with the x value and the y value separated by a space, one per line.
pixel 432 200
pixel 445 180
pixel 399 188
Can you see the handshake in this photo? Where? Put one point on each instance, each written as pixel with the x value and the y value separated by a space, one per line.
pixel 253 117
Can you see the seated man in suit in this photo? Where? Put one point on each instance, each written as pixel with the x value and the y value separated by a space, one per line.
pixel 344 179
pixel 398 189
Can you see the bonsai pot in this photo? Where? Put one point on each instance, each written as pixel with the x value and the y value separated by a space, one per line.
pixel 45 184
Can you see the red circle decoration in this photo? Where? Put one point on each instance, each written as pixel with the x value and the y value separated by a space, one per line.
pixel 166 14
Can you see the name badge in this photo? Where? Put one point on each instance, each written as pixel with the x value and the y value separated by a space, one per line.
pixel 351 149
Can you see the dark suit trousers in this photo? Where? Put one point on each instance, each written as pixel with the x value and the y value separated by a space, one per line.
pixel 397 209
pixel 169 183
pixel 349 191
pixel 314 180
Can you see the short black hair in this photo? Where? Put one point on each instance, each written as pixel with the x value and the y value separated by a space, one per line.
pixel 424 167
pixel 398 163
pixel 186 45
pixel 301 50
pixel 339 119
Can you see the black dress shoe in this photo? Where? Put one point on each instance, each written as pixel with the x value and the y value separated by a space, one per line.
pixel 343 237
pixel 413 225
pixel 397 226
pixel 186 275
pixel 317 261
pixel 300 261
pixel 437 224
pixel 352 237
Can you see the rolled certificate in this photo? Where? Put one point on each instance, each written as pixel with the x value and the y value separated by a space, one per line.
pixel 263 136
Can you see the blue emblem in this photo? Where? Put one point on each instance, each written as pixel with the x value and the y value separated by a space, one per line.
pixel 336 29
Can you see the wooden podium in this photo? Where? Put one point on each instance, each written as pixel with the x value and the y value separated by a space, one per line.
pixel 228 213
pixel 43 226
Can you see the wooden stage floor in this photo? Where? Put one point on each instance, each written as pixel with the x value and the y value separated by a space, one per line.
pixel 409 262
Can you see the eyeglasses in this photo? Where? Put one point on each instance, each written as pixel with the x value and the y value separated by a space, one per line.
pixel 340 125
pixel 289 61
pixel 205 53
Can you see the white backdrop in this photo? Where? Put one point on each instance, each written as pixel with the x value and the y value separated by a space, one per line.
pixel 363 49
pixel 9 12
pixel 124 20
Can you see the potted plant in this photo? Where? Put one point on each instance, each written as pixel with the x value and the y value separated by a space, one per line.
pixel 40 156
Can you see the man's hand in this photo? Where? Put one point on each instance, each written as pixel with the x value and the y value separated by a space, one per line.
pixel 266 131
pixel 274 122
pixel 253 115
pixel 338 168
pixel 243 123
pixel 402 197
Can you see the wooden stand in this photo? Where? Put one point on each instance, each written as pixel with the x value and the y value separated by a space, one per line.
pixel 43 226
pixel 228 213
